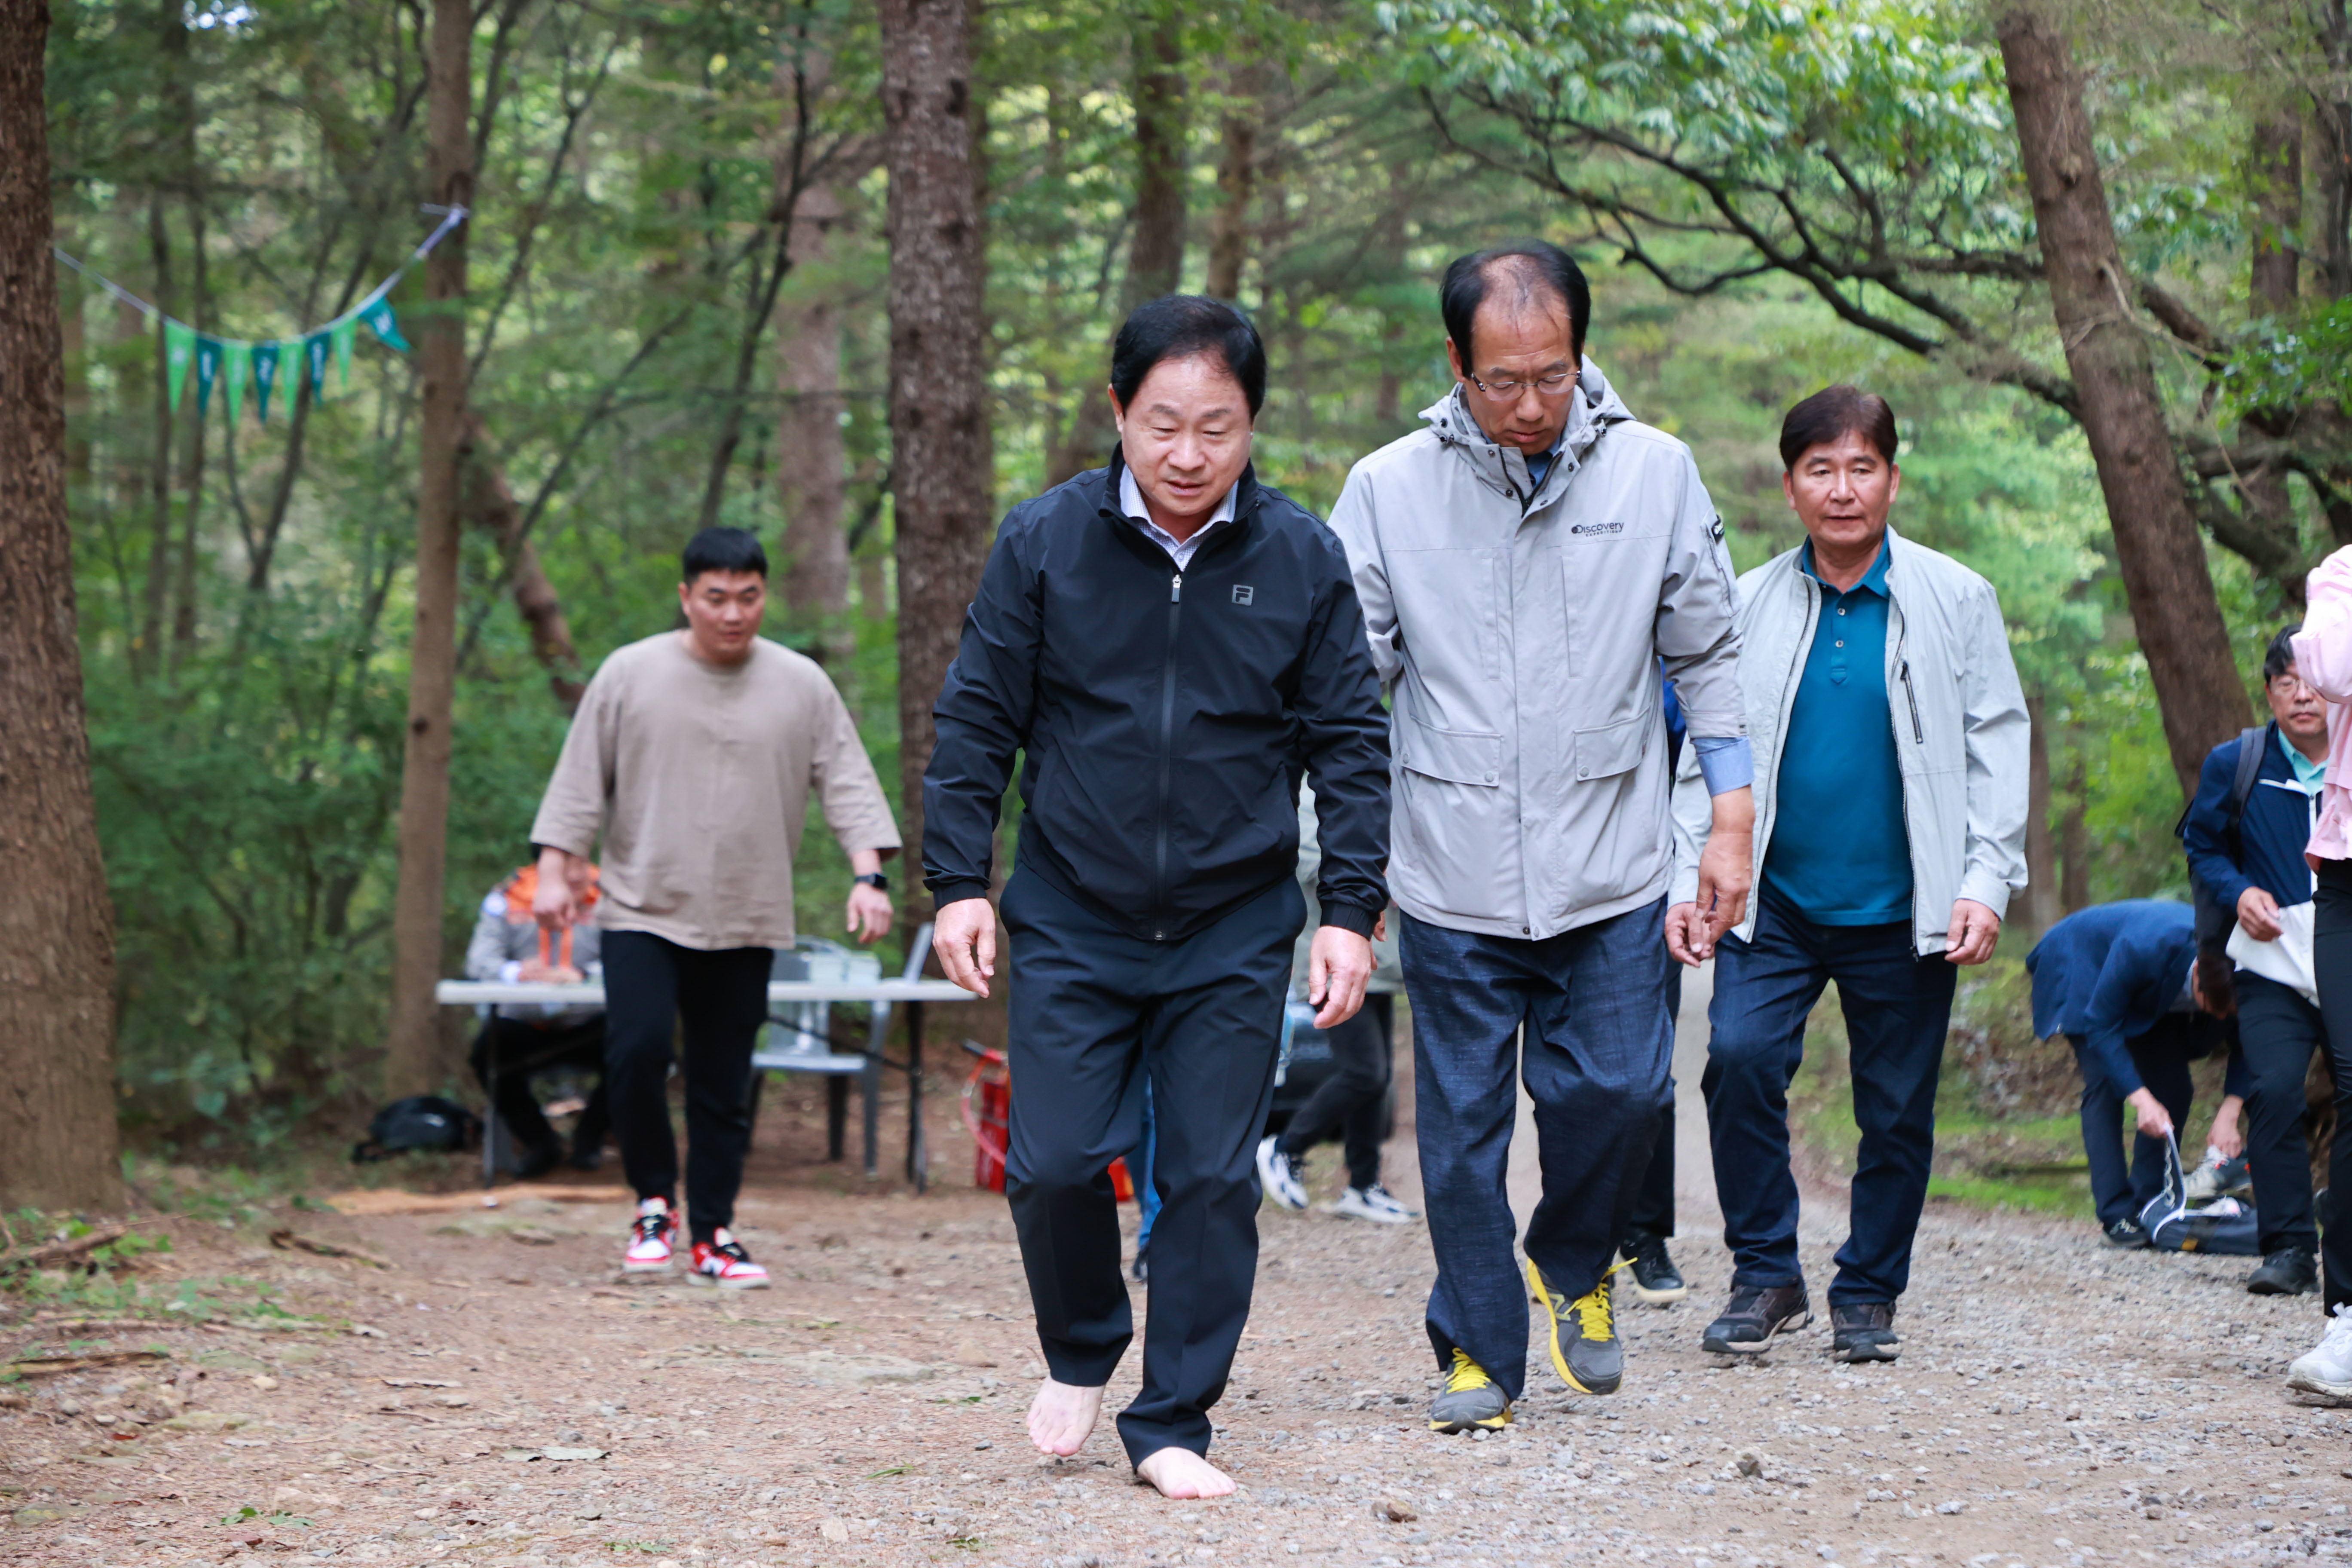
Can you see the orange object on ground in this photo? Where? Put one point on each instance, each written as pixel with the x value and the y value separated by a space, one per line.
pixel 988 1115
pixel 1122 1186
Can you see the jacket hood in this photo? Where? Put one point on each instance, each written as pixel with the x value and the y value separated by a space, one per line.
pixel 1595 407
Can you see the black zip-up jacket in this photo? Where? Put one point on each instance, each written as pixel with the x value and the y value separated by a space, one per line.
pixel 1166 715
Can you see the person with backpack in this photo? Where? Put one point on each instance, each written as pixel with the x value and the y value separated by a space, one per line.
pixel 2257 801
pixel 2120 982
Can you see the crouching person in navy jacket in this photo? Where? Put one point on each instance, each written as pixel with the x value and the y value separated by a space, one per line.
pixel 1170 643
pixel 2119 982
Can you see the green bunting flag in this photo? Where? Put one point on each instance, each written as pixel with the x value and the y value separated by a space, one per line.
pixel 314 360
pixel 343 333
pixel 179 348
pixel 237 366
pixel 379 321
pixel 265 377
pixel 209 365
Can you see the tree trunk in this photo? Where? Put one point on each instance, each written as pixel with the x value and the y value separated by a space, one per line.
pixel 1155 255
pixel 57 1139
pixel 2161 554
pixel 147 657
pixel 940 484
pixel 489 503
pixel 2043 905
pixel 2074 835
pixel 412 1056
pixel 2275 223
pixel 811 470
pixel 2333 165
pixel 192 471
pixel 1237 176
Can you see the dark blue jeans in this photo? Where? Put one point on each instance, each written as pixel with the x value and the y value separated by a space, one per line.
pixel 1598 1046
pixel 1897 1008
pixel 2162 1057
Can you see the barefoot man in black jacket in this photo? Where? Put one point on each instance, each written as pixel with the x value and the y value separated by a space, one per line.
pixel 1171 643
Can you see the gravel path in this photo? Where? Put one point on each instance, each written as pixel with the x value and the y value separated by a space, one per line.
pixel 2056 1403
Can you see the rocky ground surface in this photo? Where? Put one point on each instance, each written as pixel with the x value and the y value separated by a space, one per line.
pixel 497 1397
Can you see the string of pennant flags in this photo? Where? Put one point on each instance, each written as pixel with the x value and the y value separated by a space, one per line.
pixel 234 364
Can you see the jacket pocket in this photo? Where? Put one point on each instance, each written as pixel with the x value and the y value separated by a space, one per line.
pixel 1458 756
pixel 1611 749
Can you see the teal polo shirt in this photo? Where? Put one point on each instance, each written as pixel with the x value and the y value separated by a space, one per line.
pixel 1839 854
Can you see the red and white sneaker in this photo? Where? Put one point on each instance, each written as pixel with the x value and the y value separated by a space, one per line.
pixel 650 1243
pixel 721 1262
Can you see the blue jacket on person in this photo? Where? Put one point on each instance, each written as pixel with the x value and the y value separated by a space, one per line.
pixel 2109 974
pixel 2271 834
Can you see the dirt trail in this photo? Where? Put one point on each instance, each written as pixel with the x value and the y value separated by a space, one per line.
pixel 2056 1403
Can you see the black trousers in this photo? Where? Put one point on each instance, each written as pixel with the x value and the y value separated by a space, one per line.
pixel 2332 961
pixel 1094 1013
pixel 522 1048
pixel 1348 1103
pixel 651 986
pixel 2278 1030
pixel 1654 1194
pixel 2122 1190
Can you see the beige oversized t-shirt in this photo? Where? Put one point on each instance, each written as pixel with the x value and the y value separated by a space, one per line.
pixel 699 775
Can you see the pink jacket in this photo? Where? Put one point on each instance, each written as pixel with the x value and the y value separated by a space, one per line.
pixel 2323 655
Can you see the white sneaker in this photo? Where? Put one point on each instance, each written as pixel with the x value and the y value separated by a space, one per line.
pixel 2216 1176
pixel 1279 1176
pixel 2328 1368
pixel 1374 1204
pixel 652 1239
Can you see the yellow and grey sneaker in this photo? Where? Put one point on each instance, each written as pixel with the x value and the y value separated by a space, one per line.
pixel 1470 1399
pixel 1584 1348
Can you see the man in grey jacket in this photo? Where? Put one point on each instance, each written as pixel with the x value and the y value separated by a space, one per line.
pixel 1890 805
pixel 1525 564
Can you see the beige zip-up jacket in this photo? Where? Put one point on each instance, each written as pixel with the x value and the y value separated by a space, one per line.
pixel 1519 628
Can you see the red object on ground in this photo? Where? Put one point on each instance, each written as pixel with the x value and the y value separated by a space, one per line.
pixel 1122 1186
pixel 987 1114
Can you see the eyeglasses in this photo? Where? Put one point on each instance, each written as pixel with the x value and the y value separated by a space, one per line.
pixel 1545 385
pixel 2293 686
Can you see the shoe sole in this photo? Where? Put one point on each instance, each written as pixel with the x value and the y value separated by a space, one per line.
pixel 2320 1387
pixel 2139 1245
pixel 1648 1296
pixel 1490 1423
pixel 1345 1213
pixel 666 1266
pixel 1785 1326
pixel 2265 1287
pixel 696 1277
pixel 1559 1360
pixel 1852 1354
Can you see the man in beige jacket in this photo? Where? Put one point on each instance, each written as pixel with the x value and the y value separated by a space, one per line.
pixel 696 750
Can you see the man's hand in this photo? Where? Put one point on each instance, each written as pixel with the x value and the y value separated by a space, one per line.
pixel 1338 966
pixel 870 912
pixel 556 902
pixel 1975 929
pixel 964 936
pixel 1726 867
pixel 1686 938
pixel 2227 1136
pixel 2258 915
pixel 2154 1119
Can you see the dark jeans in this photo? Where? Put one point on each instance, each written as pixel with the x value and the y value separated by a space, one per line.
pixel 1653 1194
pixel 522 1048
pixel 1348 1103
pixel 1897 1007
pixel 1598 1046
pixel 2331 954
pixel 2161 1057
pixel 2277 1031
pixel 1096 1014
pixel 652 986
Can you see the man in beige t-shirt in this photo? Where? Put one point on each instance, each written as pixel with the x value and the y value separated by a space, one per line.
pixel 696 753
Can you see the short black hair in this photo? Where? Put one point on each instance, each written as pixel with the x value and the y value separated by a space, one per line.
pixel 1535 268
pixel 2280 654
pixel 1178 326
pixel 1833 413
pixel 723 549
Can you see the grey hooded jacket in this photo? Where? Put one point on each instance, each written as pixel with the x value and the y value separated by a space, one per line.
pixel 1958 717
pixel 1519 628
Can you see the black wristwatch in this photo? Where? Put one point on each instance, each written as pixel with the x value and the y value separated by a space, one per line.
pixel 875 881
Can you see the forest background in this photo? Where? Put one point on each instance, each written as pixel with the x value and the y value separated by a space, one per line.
pixel 680 313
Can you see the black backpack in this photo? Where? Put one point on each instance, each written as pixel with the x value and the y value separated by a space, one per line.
pixel 2215 918
pixel 421 1121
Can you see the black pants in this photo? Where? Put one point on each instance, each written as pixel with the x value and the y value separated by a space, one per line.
pixel 1653 1194
pixel 1094 1013
pixel 2122 1190
pixel 2332 961
pixel 2278 1030
pixel 652 985
pixel 521 1050
pixel 1348 1103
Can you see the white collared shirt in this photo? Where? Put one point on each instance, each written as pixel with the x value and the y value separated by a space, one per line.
pixel 1130 501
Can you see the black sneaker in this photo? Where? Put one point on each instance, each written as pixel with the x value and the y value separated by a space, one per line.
pixel 2289 1271
pixel 2127 1234
pixel 1864 1331
pixel 1654 1278
pixel 1142 1270
pixel 1757 1312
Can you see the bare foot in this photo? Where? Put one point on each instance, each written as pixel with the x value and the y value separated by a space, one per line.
pixel 1061 1417
pixel 1182 1473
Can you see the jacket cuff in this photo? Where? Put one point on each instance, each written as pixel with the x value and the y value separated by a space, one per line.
pixel 1725 762
pixel 1984 888
pixel 1349 917
pixel 955 889
pixel 1683 888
